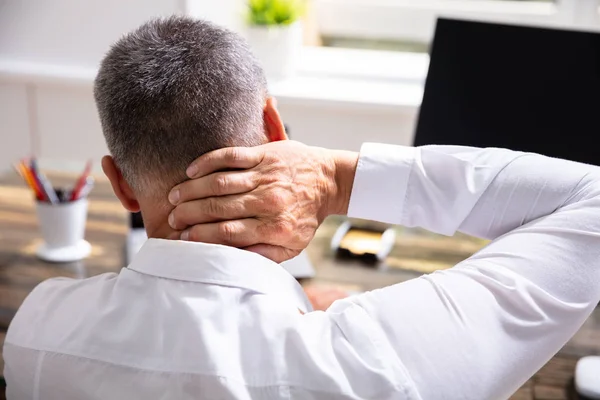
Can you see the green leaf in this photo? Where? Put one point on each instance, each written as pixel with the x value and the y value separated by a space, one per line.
pixel 275 12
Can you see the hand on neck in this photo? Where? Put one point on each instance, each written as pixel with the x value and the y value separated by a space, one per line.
pixel 156 209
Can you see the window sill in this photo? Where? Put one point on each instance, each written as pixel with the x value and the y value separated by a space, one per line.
pixel 355 78
pixel 39 73
pixel 327 77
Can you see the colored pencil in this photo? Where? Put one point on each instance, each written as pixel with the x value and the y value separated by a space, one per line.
pixel 43 183
pixel 28 176
pixel 81 181
pixel 87 188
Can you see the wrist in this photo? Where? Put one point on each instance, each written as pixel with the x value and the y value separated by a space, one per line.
pixel 345 164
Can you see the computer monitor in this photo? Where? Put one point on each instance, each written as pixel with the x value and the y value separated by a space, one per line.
pixel 522 88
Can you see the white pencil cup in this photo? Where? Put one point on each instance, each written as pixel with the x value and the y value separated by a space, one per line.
pixel 63 227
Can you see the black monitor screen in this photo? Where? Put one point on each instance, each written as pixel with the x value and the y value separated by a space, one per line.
pixel 521 88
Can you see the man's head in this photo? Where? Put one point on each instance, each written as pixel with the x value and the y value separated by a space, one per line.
pixel 172 90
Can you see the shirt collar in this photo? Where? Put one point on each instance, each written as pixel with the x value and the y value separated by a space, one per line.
pixel 218 265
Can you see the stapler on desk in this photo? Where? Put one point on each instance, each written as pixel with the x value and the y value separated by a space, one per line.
pixel 370 242
pixel 299 267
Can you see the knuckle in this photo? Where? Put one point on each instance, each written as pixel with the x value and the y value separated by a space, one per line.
pixel 219 184
pixel 250 181
pixel 227 232
pixel 275 200
pixel 282 227
pixel 256 203
pixel 234 154
pixel 278 163
pixel 213 207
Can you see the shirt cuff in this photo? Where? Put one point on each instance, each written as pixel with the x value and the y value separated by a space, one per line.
pixel 381 182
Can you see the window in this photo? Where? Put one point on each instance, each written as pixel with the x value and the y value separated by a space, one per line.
pixel 408 25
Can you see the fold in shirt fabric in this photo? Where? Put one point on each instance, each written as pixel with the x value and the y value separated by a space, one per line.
pixel 191 320
pixel 481 329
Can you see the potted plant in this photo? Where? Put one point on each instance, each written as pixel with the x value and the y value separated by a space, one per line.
pixel 275 34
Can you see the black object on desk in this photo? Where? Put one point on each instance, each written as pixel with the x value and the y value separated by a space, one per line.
pixel 136 221
pixel 522 88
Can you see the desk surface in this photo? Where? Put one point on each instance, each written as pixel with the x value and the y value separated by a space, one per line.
pixel 21 271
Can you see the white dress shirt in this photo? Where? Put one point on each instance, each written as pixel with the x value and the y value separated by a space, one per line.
pixel 198 321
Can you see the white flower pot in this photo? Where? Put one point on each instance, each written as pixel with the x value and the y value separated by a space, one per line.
pixel 277 48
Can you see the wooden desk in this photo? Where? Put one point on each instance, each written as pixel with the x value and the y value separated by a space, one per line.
pixel 21 271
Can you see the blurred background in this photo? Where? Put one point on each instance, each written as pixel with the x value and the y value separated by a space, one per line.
pixel 344 71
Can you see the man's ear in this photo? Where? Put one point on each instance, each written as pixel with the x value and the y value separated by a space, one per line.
pixel 119 185
pixel 274 128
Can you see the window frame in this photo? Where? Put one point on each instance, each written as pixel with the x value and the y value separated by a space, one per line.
pixel 414 20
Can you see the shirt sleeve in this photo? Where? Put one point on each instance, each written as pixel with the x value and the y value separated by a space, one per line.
pixel 481 329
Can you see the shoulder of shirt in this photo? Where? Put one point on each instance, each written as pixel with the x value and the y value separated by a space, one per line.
pixel 46 299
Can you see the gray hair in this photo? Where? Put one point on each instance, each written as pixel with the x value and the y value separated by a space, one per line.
pixel 172 90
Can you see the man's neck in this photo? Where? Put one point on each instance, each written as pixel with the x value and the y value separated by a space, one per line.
pixel 155 219
pixel 163 231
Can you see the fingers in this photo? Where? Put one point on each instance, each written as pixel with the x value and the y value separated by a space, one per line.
pixel 227 158
pixel 239 233
pixel 215 209
pixel 217 184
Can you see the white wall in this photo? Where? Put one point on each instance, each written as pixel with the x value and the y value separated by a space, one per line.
pixel 346 128
pixel 49 52
pixel 71 32
pixel 15 140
